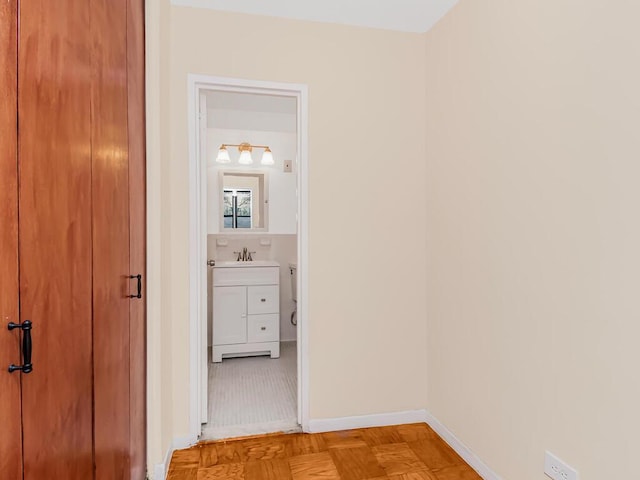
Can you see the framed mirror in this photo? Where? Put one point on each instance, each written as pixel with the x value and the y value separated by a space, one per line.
pixel 244 201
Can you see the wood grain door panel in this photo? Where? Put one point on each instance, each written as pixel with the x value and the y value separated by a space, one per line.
pixel 72 197
pixel 54 151
pixel 10 408
pixel 137 233
pixel 110 200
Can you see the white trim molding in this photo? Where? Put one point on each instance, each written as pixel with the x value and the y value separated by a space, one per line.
pixel 364 421
pixel 161 470
pixel 198 236
pixel 399 418
pixel 461 449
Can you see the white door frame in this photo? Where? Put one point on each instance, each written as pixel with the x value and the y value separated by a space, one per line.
pixel 198 238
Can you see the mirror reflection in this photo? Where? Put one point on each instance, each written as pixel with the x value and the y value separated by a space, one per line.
pixel 244 203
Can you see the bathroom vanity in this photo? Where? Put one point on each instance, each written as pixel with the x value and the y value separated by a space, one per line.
pixel 246 309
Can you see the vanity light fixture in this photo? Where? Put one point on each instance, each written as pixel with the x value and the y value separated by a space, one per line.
pixel 223 155
pixel 267 157
pixel 245 154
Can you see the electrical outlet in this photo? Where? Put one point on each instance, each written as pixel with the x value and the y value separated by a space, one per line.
pixel 287 166
pixel 557 469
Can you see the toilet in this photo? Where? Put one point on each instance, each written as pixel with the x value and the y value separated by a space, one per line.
pixel 293 269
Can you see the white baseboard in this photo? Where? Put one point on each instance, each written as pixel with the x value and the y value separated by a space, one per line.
pixel 461 449
pixel 397 418
pixel 363 421
pixel 161 470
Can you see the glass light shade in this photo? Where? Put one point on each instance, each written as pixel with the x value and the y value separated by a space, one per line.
pixel 267 157
pixel 223 155
pixel 245 158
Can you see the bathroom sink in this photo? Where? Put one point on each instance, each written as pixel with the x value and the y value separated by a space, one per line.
pixel 254 263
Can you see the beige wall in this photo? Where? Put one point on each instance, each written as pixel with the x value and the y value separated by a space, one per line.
pixel 533 151
pixel 367 271
pixel 515 124
pixel 159 381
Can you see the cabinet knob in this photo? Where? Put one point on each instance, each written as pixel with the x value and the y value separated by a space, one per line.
pixel 263 299
pixel 263 328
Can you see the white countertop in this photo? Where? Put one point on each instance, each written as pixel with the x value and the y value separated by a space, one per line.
pixel 254 263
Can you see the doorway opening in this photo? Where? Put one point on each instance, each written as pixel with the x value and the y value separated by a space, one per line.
pixel 248 257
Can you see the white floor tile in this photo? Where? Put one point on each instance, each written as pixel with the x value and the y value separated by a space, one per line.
pixel 252 395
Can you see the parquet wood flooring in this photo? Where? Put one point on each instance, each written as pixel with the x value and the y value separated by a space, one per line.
pixel 402 452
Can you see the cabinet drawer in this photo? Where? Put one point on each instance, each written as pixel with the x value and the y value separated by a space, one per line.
pixel 263 328
pixel 246 276
pixel 263 299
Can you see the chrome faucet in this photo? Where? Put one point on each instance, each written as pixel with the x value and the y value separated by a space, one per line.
pixel 244 255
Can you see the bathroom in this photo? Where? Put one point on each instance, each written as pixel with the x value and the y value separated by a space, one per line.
pixel 250 144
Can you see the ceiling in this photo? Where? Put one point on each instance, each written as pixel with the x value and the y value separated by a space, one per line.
pixel 249 102
pixel 247 111
pixel 401 15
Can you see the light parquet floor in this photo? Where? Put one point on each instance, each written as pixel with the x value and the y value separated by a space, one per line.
pixel 402 452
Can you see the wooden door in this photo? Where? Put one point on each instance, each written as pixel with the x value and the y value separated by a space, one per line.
pixel 55 178
pixel 137 229
pixel 71 187
pixel 112 286
pixel 10 407
pixel 118 200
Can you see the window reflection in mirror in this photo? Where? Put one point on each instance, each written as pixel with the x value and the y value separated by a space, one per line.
pixel 237 208
pixel 244 201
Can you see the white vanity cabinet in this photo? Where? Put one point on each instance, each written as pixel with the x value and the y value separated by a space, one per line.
pixel 246 309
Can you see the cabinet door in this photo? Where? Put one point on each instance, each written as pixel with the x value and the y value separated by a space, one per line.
pixel 229 315
pixel 10 417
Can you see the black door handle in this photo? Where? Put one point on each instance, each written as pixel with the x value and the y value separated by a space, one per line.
pixel 27 347
pixel 139 294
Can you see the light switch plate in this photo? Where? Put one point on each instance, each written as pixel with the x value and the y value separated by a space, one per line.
pixel 222 242
pixel 287 166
